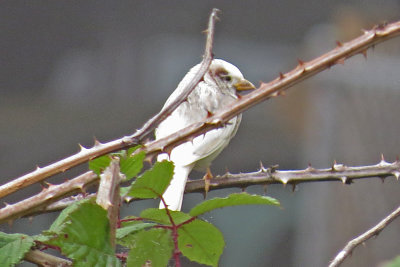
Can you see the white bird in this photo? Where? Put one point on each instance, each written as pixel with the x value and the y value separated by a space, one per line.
pixel 216 91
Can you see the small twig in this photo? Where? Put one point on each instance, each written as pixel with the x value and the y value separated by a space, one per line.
pixel 151 124
pixel 374 231
pixel 108 195
pixel 46 260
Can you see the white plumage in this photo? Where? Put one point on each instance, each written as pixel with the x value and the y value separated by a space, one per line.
pixel 216 91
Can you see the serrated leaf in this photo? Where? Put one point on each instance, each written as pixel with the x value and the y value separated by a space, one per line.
pixel 131 166
pixel 200 241
pixel 153 182
pixel 153 247
pixel 98 165
pixel 132 228
pixel 394 263
pixel 82 233
pixel 160 216
pixel 13 248
pixel 232 200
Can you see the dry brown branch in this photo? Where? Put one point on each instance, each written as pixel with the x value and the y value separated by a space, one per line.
pixel 46 260
pixel 108 195
pixel 100 149
pixel 374 231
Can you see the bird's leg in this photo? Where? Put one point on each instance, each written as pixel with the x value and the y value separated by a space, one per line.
pixel 207 177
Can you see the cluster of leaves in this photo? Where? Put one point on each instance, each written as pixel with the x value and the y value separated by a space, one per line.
pixel 82 231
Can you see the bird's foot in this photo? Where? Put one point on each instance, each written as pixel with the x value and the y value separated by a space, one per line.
pixel 207 177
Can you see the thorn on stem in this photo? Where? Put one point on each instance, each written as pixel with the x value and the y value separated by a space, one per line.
pixel 96 142
pixel 364 53
pixel 294 187
pixel 262 168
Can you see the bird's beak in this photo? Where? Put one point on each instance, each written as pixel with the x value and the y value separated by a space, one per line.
pixel 244 85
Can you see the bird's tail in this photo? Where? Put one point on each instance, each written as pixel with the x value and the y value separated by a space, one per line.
pixel 173 196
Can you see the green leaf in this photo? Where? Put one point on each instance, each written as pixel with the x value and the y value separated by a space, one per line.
pixel 160 216
pixel 201 241
pixel 131 228
pixel 82 232
pixel 232 200
pixel 13 248
pixel 394 263
pixel 153 182
pixel 98 165
pixel 153 247
pixel 132 165
pixel 123 190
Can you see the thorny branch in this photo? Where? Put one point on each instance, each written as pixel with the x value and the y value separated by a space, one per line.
pixel 338 172
pixel 374 231
pixel 274 88
pixel 265 91
pixel 47 196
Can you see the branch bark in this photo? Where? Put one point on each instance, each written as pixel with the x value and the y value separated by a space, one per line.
pixel 46 260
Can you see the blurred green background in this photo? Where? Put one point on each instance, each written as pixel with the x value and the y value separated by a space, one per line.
pixel 74 70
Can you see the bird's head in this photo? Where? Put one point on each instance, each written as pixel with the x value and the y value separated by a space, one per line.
pixel 227 77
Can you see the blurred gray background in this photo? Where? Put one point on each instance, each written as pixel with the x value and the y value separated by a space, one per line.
pixel 74 70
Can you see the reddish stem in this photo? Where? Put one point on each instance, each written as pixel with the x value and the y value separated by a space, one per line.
pixel 174 229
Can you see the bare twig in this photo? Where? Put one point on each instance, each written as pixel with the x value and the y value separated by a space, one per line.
pixel 374 231
pixel 337 172
pixel 47 196
pixel 128 141
pixel 108 195
pixel 60 204
pixel 151 124
pixel 46 260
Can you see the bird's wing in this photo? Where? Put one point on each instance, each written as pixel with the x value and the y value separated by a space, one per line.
pixel 206 147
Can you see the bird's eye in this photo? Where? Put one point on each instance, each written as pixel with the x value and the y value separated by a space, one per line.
pixel 227 78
